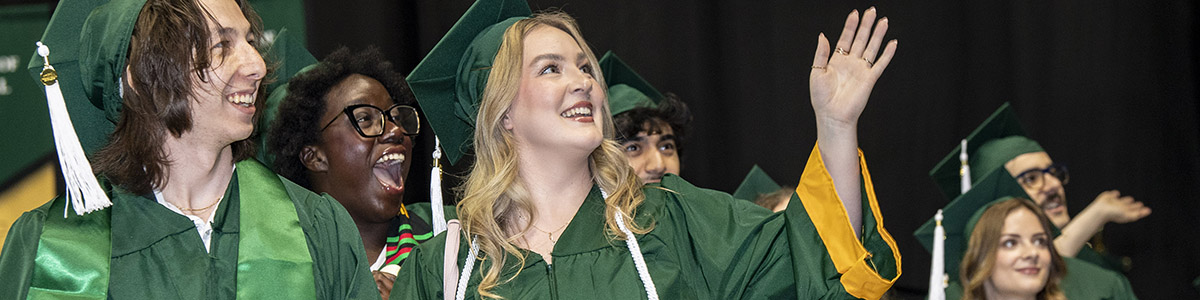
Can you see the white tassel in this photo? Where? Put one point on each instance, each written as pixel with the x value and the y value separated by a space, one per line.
pixel 435 189
pixel 965 171
pixel 937 270
pixel 83 190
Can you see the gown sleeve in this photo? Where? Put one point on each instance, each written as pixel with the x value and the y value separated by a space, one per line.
pixel 20 250
pixel 866 267
pixel 421 277
pixel 340 269
pixel 737 250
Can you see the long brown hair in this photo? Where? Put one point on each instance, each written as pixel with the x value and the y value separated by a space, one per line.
pixel 493 195
pixel 980 259
pixel 168 45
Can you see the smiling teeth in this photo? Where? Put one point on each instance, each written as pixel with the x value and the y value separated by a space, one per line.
pixel 394 157
pixel 241 99
pixel 577 112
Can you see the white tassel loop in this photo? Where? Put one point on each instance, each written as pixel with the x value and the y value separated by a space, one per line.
pixel 937 270
pixel 83 190
pixel 435 189
pixel 964 172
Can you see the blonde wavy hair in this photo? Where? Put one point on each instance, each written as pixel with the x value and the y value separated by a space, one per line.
pixel 493 197
pixel 980 259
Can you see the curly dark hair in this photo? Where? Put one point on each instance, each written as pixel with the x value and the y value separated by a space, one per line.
pixel 295 124
pixel 671 111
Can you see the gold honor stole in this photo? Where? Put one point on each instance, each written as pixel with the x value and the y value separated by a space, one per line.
pixel 273 259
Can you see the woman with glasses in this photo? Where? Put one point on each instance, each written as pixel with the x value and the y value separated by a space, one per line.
pixel 346 128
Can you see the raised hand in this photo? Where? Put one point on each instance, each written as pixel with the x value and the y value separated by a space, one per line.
pixel 1119 209
pixel 840 85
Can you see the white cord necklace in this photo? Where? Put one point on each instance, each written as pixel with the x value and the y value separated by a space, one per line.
pixel 631 242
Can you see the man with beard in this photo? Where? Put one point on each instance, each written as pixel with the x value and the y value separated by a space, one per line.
pixel 1000 143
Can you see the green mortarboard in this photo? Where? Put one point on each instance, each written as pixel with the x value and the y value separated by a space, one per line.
pixel 80 59
pixel 289 57
pixel 88 42
pixel 961 215
pixel 449 82
pixel 995 142
pixel 626 89
pixel 757 183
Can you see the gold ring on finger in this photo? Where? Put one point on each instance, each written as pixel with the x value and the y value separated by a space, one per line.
pixel 869 62
pixel 816 67
pixel 841 51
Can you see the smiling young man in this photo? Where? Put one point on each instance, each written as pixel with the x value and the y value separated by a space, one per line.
pixel 1000 143
pixel 650 126
pixel 192 216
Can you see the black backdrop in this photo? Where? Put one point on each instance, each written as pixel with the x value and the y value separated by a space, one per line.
pixel 1108 87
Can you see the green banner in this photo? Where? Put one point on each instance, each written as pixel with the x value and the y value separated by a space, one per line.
pixel 24 119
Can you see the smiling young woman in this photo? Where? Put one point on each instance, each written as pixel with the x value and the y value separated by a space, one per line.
pixel 552 209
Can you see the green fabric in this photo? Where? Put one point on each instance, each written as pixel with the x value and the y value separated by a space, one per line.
pixel 626 89
pixel 73 261
pixel 995 153
pixel 1083 281
pixel 424 211
pixel 1108 262
pixel 995 142
pixel 157 253
pixel 757 183
pixel 289 57
pixel 960 215
pixel 273 261
pixel 88 41
pixel 449 81
pixel 705 245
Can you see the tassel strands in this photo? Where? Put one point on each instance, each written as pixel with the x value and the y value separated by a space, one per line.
pixel 435 189
pixel 83 190
pixel 937 270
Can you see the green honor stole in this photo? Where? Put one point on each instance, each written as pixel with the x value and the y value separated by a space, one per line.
pixel 273 260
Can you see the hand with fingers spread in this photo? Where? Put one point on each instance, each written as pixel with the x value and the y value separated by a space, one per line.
pixel 1118 209
pixel 839 85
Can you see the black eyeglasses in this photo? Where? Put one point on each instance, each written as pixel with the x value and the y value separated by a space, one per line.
pixel 1035 178
pixel 369 120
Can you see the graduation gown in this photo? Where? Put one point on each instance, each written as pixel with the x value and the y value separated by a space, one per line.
pixel 158 254
pixel 704 245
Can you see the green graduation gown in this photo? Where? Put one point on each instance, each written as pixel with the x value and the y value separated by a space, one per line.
pixel 704 245
pixel 158 254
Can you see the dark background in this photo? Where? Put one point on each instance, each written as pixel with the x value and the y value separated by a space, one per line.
pixel 1106 86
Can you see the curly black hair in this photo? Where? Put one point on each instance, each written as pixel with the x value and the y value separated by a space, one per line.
pixel 671 111
pixel 295 124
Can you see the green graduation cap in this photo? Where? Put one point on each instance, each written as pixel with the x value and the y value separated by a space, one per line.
pixel 290 58
pixel 80 59
pixel 449 82
pixel 88 41
pixel 626 89
pixel 961 215
pixel 995 142
pixel 757 183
